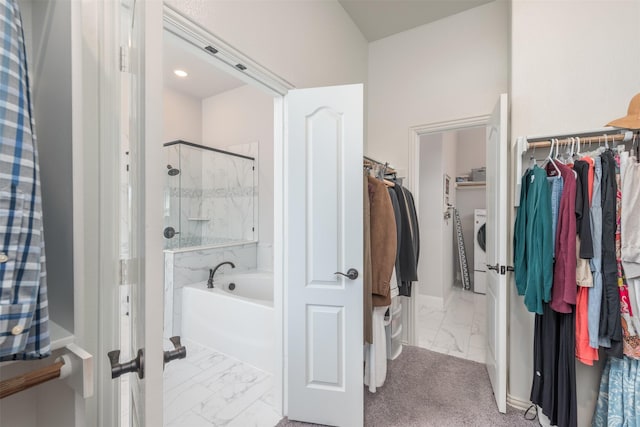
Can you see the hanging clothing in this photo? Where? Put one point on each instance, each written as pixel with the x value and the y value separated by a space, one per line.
pixel 534 253
pixel 375 371
pixel 595 293
pixel 618 396
pixel 383 242
pixel 554 376
pixel 24 316
pixel 557 185
pixel 367 287
pixel 583 220
pixel 630 222
pixel 630 323
pixel 397 215
pixel 584 352
pixel 610 324
pixel 409 241
pixel 563 295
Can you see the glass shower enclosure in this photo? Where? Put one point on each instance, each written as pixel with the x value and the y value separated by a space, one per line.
pixel 209 198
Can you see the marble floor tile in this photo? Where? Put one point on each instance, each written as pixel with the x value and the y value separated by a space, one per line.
pixel 431 317
pixel 182 399
pixel 452 338
pixel 458 330
pixel 189 419
pixel 259 414
pixel 426 336
pixel 208 388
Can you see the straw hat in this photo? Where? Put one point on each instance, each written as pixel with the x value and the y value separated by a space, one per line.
pixel 632 119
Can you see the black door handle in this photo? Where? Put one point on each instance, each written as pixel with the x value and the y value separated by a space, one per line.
pixel 495 268
pixel 134 365
pixel 179 351
pixel 352 274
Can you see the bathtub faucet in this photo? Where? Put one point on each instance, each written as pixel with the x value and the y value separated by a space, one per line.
pixel 212 272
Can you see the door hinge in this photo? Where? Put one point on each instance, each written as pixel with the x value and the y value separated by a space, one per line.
pixel 124 59
pixel 125 271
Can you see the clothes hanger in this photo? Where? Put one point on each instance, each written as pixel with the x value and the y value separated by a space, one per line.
pixel 549 158
pixel 557 157
pixel 532 160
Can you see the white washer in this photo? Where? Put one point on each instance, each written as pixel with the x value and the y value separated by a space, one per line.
pixel 479 253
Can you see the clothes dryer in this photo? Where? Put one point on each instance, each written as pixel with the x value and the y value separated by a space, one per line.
pixel 479 251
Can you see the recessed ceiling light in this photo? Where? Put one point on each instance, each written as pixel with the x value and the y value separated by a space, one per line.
pixel 180 73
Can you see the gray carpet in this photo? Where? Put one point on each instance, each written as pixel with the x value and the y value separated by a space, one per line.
pixel 424 388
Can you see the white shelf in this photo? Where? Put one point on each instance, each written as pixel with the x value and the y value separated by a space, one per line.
pixel 471 184
pixel 59 336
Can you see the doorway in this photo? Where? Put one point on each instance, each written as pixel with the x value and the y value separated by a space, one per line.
pixel 218 137
pixel 451 308
pixel 217 148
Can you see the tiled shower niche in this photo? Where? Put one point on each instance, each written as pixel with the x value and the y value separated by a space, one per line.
pixel 210 196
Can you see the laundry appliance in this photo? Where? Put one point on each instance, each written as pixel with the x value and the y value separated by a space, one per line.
pixel 479 251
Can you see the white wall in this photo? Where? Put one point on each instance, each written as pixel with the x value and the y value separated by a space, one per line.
pixel 182 117
pixel 449 69
pixel 471 154
pixel 436 264
pixel 308 43
pixel 566 80
pixel 240 116
pixel 430 216
pixel 48 37
pixel 50 69
pixel 449 151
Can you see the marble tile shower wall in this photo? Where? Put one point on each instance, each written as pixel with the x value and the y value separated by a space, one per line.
pixel 227 199
pixel 171 200
pixel 191 266
pixel 215 195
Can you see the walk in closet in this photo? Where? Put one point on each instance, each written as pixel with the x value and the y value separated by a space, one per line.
pixel 391 254
pixel 576 266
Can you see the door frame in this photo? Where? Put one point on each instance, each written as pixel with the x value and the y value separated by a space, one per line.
pixel 260 78
pixel 413 175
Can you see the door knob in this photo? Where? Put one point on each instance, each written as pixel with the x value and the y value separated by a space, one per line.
pixel 179 351
pixel 352 274
pixel 170 232
pixel 134 365
pixel 496 267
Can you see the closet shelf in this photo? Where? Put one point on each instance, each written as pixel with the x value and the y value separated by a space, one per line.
pixel 60 337
pixel 471 184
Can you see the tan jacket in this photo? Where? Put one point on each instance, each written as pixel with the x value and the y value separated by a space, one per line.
pixel 383 242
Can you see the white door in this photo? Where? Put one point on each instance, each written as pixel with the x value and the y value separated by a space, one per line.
pixel 131 240
pixel 323 235
pixel 496 233
pixel 141 210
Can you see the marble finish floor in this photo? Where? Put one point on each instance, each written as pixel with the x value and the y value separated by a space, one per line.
pixel 458 329
pixel 208 388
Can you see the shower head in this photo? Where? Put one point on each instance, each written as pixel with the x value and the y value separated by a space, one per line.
pixel 172 171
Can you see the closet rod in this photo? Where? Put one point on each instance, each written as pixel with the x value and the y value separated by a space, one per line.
pixel 372 161
pixel 591 139
pixel 30 379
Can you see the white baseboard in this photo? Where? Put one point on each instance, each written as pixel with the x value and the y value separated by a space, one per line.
pixel 517 403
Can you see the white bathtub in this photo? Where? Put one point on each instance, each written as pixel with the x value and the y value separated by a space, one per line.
pixel 239 323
